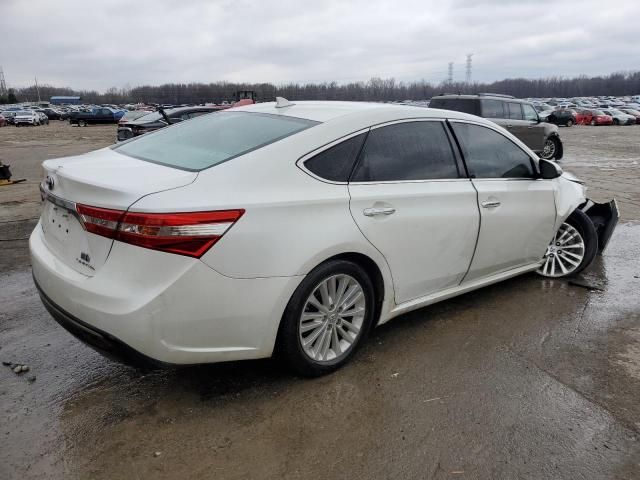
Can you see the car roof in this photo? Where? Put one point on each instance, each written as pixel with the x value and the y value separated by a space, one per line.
pixel 327 111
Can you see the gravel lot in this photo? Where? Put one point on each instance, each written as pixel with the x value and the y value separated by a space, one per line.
pixel 530 378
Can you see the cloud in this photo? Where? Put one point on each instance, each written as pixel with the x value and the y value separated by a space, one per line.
pixel 96 45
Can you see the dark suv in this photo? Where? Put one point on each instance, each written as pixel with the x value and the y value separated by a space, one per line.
pixel 517 116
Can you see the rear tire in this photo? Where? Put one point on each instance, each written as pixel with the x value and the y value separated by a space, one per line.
pixel 315 336
pixel 572 249
pixel 616 121
pixel 569 123
pixel 82 123
pixel 551 148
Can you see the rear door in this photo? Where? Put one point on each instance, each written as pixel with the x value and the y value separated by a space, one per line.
pixel 410 199
pixel 517 210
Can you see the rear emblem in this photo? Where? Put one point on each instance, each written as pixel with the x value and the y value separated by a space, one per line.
pixel 49 181
pixel 85 257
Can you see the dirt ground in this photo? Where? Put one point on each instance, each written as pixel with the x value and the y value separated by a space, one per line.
pixel 528 379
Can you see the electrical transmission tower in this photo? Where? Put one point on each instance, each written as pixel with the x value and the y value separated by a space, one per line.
pixel 469 55
pixel 3 85
pixel 450 75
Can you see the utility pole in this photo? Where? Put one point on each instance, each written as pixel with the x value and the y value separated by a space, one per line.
pixel 3 85
pixel 37 89
pixel 469 55
pixel 450 76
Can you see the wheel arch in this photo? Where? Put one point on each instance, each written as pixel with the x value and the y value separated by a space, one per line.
pixel 373 271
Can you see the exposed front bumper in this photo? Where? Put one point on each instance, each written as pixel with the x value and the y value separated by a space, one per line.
pixel 604 217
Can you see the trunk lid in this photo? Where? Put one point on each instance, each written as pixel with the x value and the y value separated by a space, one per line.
pixel 104 179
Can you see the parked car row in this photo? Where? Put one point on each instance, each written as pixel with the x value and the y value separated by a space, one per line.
pixel 23 117
pixel 589 110
pixel 608 116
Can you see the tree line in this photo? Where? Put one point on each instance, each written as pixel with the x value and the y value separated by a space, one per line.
pixel 375 89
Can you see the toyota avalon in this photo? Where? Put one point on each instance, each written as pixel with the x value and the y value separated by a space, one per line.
pixel 294 228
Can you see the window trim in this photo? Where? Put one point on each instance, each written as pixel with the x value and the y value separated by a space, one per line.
pixel 456 160
pixel 496 128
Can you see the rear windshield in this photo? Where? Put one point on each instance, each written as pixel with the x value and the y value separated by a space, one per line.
pixel 212 139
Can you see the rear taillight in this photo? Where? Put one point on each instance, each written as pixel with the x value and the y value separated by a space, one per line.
pixel 190 234
pixel 101 221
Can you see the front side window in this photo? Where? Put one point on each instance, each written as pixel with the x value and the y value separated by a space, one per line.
pixel 336 163
pixel 490 154
pixel 493 109
pixel 406 151
pixel 212 139
pixel 529 113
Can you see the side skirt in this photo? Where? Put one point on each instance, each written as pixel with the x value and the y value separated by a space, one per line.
pixel 455 291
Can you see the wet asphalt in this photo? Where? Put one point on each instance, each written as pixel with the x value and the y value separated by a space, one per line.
pixel 531 378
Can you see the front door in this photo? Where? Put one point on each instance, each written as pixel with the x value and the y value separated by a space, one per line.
pixel 411 201
pixel 517 209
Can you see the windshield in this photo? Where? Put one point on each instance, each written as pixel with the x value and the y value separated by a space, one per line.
pixel 212 139
pixel 597 112
pixel 615 111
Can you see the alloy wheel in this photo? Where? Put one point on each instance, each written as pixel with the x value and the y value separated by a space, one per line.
pixel 564 254
pixel 549 149
pixel 332 318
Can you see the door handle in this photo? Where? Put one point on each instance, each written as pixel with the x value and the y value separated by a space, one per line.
pixel 490 204
pixel 509 126
pixel 372 212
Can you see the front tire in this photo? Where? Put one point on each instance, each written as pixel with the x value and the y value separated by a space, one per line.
pixel 569 123
pixel 327 318
pixel 593 123
pixel 616 121
pixel 573 248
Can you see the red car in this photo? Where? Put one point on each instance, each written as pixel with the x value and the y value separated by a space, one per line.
pixel 3 121
pixel 596 117
pixel 583 117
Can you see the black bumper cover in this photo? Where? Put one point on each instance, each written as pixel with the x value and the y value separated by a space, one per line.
pixel 102 342
pixel 604 217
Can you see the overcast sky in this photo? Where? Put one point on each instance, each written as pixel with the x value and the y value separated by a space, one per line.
pixel 98 44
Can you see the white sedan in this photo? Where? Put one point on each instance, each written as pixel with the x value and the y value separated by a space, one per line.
pixel 294 228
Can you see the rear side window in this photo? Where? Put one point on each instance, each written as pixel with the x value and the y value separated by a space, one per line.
pixel 212 139
pixel 465 105
pixel 336 163
pixel 493 109
pixel 515 111
pixel 491 155
pixel 406 151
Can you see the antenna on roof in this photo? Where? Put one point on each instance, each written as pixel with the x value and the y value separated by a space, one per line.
pixel 282 102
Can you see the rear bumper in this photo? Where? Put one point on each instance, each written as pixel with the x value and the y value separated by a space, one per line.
pixel 148 307
pixel 102 342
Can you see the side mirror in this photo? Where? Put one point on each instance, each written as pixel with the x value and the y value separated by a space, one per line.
pixel 548 169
